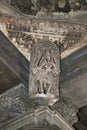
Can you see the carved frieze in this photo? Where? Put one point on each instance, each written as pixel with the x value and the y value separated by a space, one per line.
pixel 24 32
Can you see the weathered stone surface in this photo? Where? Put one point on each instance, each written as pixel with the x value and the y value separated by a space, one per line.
pixel 82 122
pixel 73 76
pixel 13 103
pixel 13 63
pixel 17 111
pixel 66 108
pixel 25 31
pixel 8 79
pixel 33 6
pixel 44 71
pixel 39 117
pixel 66 34
pixel 6 9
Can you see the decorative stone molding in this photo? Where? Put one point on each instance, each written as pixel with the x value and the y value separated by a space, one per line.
pixel 42 117
pixel 13 103
pixel 16 111
pixel 25 31
pixel 66 108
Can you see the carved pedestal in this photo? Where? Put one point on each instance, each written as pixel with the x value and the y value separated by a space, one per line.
pixel 44 73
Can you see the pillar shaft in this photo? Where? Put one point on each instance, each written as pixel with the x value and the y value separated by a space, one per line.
pixel 44 72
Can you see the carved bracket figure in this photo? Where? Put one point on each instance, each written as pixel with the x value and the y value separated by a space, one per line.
pixel 44 71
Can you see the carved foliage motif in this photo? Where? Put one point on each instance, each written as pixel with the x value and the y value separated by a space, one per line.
pixel 25 32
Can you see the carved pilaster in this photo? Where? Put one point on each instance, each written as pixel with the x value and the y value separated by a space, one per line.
pixel 44 72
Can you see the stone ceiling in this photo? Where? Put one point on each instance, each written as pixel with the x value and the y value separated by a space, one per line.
pixel 67 30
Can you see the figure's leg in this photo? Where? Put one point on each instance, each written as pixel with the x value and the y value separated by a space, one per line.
pixel 41 86
pixel 49 86
pixel 45 88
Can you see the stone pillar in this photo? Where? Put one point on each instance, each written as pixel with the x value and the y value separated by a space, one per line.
pixel 44 73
